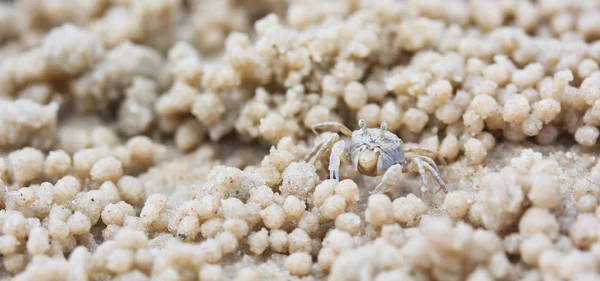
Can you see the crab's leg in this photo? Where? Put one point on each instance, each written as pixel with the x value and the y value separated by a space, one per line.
pixel 429 161
pixel 437 177
pixel 327 145
pixel 338 156
pixel 343 129
pixel 322 147
pixel 422 171
pixel 418 164
pixel 427 152
pixel 313 151
pixel 390 177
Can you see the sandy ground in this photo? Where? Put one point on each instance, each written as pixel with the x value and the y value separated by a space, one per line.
pixel 166 140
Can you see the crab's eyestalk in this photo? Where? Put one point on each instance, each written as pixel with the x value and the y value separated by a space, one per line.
pixel 384 126
pixel 361 123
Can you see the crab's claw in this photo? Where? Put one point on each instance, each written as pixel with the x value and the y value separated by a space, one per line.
pixel 335 159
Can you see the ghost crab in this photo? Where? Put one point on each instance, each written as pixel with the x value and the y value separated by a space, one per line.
pixel 374 152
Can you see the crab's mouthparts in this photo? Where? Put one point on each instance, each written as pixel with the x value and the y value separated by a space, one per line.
pixel 367 162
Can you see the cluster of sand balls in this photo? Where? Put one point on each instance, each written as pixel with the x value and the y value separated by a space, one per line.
pixel 112 115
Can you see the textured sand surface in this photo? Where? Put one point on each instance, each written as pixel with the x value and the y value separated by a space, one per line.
pixel 166 139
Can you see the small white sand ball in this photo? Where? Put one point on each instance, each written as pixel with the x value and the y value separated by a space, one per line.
pixel 488 140
pixel 547 135
pixel 532 126
pixel 273 216
pixel 333 207
pixel 326 258
pixel 79 224
pixel 272 127
pixel 409 208
pixel 484 105
pixel 538 220
pixel 440 91
pixel 57 164
pixel 237 227
pixel 141 149
pixel 355 95
pixel 152 208
pixel 415 120
pixel 587 135
pixel 233 208
pixel 293 208
pixel 228 241
pixel 324 190
pixel 299 241
pixel 394 234
pixel 211 272
pixel 532 247
pixel 188 227
pixel 15 224
pixel 392 115
pixel 38 242
pixel 315 115
pixel 550 260
pixel 133 239
pixel 131 189
pixel 379 210
pixel 25 196
pixel 107 169
pixel 27 164
pixel 475 151
pixel 278 240
pixel 248 274
pixel 584 232
pixel 450 147
pixel 349 190
pixel 545 191
pixel 587 203
pixel 516 109
pixel 212 249
pixel 370 113
pixel 209 207
pixel 299 263
pixel 15 263
pixel 448 113
pixel 262 195
pixel 258 241
pixel 349 222
pixel 339 240
pixel 474 124
pixel 546 110
pixel 309 222
pixel 210 228
pixel 480 274
pixel 8 244
pixel 208 108
pixel 299 179
pixel 120 261
pixel 456 204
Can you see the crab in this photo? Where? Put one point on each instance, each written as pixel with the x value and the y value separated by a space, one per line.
pixel 374 152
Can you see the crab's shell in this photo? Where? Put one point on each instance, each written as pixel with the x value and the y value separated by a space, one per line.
pixel 373 151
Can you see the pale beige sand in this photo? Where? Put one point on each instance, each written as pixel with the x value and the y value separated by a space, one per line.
pixel 164 139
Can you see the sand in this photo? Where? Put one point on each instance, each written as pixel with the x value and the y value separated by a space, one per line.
pixel 167 140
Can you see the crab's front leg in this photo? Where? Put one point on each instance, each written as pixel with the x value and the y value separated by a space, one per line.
pixel 337 157
pixel 389 179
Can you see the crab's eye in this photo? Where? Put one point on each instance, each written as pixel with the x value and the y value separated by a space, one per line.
pixel 361 123
pixel 384 126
